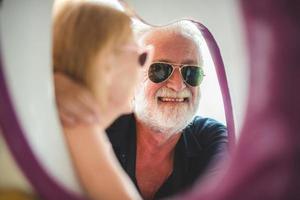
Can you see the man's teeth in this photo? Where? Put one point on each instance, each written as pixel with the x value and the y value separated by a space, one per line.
pixel 166 99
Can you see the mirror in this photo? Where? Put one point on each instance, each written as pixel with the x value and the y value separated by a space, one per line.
pixel 26 99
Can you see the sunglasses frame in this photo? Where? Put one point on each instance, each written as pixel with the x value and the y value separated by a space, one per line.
pixel 179 67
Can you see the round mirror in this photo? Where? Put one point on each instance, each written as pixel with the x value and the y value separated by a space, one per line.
pixel 29 119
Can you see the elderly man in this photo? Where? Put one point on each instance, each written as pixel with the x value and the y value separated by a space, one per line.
pixel 161 146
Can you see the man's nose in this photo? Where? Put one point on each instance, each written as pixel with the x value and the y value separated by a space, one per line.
pixel 175 82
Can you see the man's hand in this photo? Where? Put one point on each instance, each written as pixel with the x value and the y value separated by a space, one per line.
pixel 74 102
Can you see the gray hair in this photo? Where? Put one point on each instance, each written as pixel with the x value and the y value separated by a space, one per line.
pixel 184 28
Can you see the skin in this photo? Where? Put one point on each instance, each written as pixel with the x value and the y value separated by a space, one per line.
pixel 153 145
pixel 89 146
pixel 121 73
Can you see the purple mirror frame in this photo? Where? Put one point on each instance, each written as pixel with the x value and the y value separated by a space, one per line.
pixel 265 164
pixel 222 78
pixel 13 133
pixel 45 186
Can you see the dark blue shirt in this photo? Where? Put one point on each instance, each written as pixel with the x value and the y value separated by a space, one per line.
pixel 203 141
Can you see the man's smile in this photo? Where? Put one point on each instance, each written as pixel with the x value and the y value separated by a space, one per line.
pixel 172 99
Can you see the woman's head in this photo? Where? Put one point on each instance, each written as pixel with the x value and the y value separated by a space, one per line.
pixel 93 44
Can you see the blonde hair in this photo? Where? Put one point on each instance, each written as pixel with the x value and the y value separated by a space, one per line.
pixel 82 30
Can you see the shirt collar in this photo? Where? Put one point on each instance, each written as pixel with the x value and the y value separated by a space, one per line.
pixel 192 147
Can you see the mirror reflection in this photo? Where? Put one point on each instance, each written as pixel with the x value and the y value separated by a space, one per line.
pixel 129 97
pixel 162 145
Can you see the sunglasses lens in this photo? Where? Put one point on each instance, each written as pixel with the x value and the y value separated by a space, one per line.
pixel 143 58
pixel 158 72
pixel 192 75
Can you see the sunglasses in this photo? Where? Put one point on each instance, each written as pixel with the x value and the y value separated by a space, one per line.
pixel 161 71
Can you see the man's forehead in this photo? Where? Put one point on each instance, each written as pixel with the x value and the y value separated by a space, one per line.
pixel 172 47
pixel 159 35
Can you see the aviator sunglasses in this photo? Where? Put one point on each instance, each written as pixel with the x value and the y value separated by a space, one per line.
pixel 161 71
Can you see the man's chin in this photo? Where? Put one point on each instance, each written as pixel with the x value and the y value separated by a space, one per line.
pixel 166 117
pixel 176 119
pixel 169 122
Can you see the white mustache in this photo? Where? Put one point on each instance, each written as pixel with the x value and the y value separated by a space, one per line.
pixel 166 92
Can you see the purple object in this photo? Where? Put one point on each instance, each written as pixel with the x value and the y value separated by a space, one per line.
pixel 45 186
pixel 220 70
pixel 266 163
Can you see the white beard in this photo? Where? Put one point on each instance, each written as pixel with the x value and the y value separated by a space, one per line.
pixel 164 117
